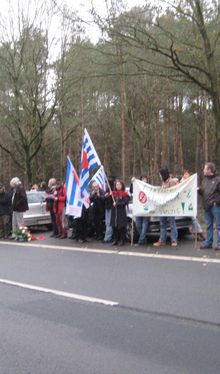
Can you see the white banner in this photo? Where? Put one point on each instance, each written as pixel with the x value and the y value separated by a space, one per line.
pixel 180 200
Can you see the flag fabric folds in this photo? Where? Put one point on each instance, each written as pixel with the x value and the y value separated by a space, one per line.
pixel 89 161
pixel 100 178
pixel 73 195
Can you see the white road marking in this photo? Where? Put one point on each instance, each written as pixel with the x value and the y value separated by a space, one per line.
pixel 59 293
pixel 162 256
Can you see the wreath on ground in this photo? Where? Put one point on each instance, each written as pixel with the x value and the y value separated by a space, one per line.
pixel 22 234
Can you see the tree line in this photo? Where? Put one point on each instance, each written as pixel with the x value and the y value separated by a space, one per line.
pixel 148 91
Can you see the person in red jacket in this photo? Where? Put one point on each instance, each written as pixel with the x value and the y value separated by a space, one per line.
pixel 59 208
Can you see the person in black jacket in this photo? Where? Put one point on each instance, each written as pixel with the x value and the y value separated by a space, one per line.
pixel 210 191
pixel 19 204
pixel 98 210
pixel 118 213
pixel 5 211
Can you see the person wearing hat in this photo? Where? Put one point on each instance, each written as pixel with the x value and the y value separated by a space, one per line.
pixel 5 211
pixel 19 204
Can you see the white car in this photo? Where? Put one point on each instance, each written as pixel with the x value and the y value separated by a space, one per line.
pixel 37 214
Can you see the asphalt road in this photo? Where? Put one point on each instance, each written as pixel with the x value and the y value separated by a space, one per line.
pixel 157 312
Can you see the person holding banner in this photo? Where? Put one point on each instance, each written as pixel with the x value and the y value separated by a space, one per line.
pixel 210 191
pixel 167 182
pixel 118 213
pixel 196 227
pixel 141 223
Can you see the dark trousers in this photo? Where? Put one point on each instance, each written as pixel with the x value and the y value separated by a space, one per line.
pixel 54 223
pixel 81 229
pixel 4 226
pixel 119 234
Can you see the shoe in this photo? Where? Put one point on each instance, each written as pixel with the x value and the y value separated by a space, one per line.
pixel 217 248
pixel 174 243
pixel 114 243
pixel 159 243
pixel 80 241
pixel 206 246
pixel 99 238
pixel 201 236
pixel 57 236
pixel 53 235
pixel 121 243
pixel 63 237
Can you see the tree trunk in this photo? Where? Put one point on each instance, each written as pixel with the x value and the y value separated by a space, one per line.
pixel 123 125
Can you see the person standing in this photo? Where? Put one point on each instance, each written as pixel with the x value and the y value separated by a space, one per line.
pixel 167 182
pixel 59 207
pixel 98 210
pixel 108 208
pixel 210 192
pixel 196 227
pixel 19 204
pixel 50 204
pixel 5 212
pixel 141 223
pixel 119 214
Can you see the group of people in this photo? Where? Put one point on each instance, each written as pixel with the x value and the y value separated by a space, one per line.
pixel 106 218
pixel 13 204
pixel 210 193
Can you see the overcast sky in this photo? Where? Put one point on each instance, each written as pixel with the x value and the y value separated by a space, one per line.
pixel 81 6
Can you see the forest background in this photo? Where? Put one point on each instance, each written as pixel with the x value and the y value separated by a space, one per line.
pixel 148 90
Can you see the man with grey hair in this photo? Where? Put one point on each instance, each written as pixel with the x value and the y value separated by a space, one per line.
pixel 210 191
pixel 19 204
pixel 50 204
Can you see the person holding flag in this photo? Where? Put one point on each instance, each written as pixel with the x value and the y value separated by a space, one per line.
pixel 89 161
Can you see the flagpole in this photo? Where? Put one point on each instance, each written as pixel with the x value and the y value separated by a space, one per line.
pixel 196 235
pixel 109 187
pixel 132 231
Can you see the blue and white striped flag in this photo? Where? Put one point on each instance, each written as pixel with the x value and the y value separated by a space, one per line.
pixel 89 161
pixel 100 178
pixel 73 195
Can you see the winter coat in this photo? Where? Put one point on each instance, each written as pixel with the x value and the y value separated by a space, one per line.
pixel 5 204
pixel 60 199
pixel 50 199
pixel 170 182
pixel 98 207
pixel 210 191
pixel 118 212
pixel 19 199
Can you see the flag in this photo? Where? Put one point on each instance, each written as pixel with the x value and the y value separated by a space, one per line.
pixel 100 178
pixel 73 195
pixel 89 161
pixel 92 157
